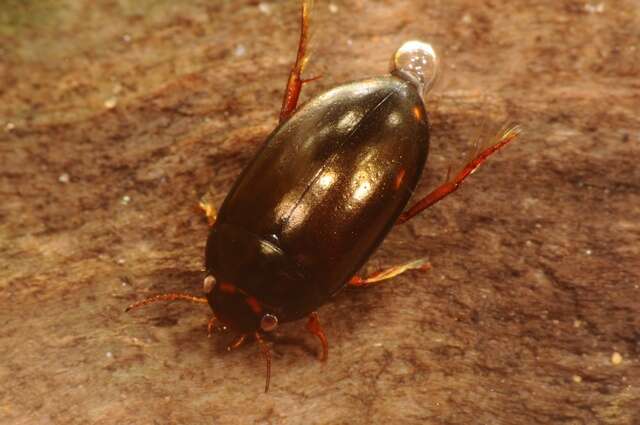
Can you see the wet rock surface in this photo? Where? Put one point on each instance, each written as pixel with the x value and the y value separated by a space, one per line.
pixel 116 117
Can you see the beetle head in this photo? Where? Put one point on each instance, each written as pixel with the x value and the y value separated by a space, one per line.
pixel 246 277
pixel 234 308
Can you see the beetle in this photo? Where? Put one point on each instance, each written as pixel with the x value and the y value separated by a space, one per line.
pixel 320 196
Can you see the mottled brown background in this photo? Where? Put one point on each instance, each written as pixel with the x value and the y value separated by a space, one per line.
pixel 116 116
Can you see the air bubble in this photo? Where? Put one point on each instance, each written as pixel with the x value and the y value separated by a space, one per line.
pixel 416 61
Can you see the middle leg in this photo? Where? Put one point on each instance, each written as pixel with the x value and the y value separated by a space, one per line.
pixel 390 272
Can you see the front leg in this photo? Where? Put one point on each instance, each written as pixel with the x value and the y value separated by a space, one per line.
pixel 313 326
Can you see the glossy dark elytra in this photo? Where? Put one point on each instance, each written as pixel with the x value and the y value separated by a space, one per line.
pixel 317 200
pixel 320 196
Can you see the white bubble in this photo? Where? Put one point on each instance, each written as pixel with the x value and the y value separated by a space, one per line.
pixel 110 103
pixel 594 8
pixel 616 358
pixel 417 62
pixel 240 50
pixel 264 8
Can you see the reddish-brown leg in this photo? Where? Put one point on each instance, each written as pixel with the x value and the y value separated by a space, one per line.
pixel 390 272
pixel 313 326
pixel 168 297
pixel 236 342
pixel 504 137
pixel 264 347
pixel 295 81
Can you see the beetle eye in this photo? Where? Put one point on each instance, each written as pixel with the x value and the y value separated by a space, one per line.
pixel 268 322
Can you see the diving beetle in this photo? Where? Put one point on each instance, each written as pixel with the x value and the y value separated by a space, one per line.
pixel 320 196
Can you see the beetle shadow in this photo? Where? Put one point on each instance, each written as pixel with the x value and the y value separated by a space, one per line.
pixel 302 340
pixel 169 314
pixel 352 308
pixel 348 312
pixel 171 279
pixel 194 337
pixel 355 309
